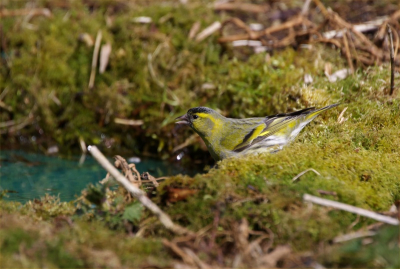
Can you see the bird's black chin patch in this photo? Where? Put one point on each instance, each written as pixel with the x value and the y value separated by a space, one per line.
pixel 182 120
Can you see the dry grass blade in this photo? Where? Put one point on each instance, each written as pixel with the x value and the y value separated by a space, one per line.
pixel 104 57
pixel 25 12
pixel 190 140
pixel 351 236
pixel 94 59
pixel 389 30
pixel 305 171
pixel 82 144
pixel 342 119
pixel 298 20
pixel 150 59
pixel 194 30
pixel 128 122
pixel 323 192
pixel 208 31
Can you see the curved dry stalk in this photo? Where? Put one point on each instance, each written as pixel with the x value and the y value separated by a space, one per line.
pixel 305 171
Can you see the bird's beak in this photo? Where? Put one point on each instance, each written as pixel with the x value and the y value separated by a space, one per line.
pixel 182 120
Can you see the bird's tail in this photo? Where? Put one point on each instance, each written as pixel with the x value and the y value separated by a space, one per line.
pixel 315 113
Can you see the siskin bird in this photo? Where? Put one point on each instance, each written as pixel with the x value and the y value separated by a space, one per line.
pixel 226 137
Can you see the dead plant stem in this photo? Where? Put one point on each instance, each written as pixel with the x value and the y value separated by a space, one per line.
pixel 350 208
pixel 137 193
pixel 94 59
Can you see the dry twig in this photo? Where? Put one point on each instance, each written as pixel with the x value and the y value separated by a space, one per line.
pixel 350 208
pixel 137 193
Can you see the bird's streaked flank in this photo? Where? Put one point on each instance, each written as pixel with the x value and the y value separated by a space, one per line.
pixel 226 137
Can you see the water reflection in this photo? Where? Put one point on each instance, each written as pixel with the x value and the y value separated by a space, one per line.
pixel 30 175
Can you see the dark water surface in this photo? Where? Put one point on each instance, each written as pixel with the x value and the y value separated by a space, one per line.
pixel 31 175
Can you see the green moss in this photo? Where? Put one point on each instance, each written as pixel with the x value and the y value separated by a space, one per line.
pixel 359 159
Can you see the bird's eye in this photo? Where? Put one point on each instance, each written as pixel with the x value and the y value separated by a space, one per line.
pixel 195 117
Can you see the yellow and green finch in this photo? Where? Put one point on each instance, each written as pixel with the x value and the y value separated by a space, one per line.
pixel 226 137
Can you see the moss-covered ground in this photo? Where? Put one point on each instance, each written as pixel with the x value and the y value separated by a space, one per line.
pixel 44 60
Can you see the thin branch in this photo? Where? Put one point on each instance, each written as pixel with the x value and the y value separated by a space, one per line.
pixel 137 193
pixel 305 171
pixel 350 208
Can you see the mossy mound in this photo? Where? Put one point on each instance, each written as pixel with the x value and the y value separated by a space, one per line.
pixel 235 203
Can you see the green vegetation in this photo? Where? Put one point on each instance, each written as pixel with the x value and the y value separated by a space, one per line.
pixel 359 159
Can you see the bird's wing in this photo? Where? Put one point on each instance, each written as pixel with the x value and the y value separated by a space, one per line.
pixel 285 123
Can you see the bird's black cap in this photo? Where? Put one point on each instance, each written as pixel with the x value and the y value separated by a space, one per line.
pixel 200 109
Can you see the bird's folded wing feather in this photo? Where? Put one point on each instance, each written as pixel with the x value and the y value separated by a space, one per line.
pixel 262 131
pixel 274 124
